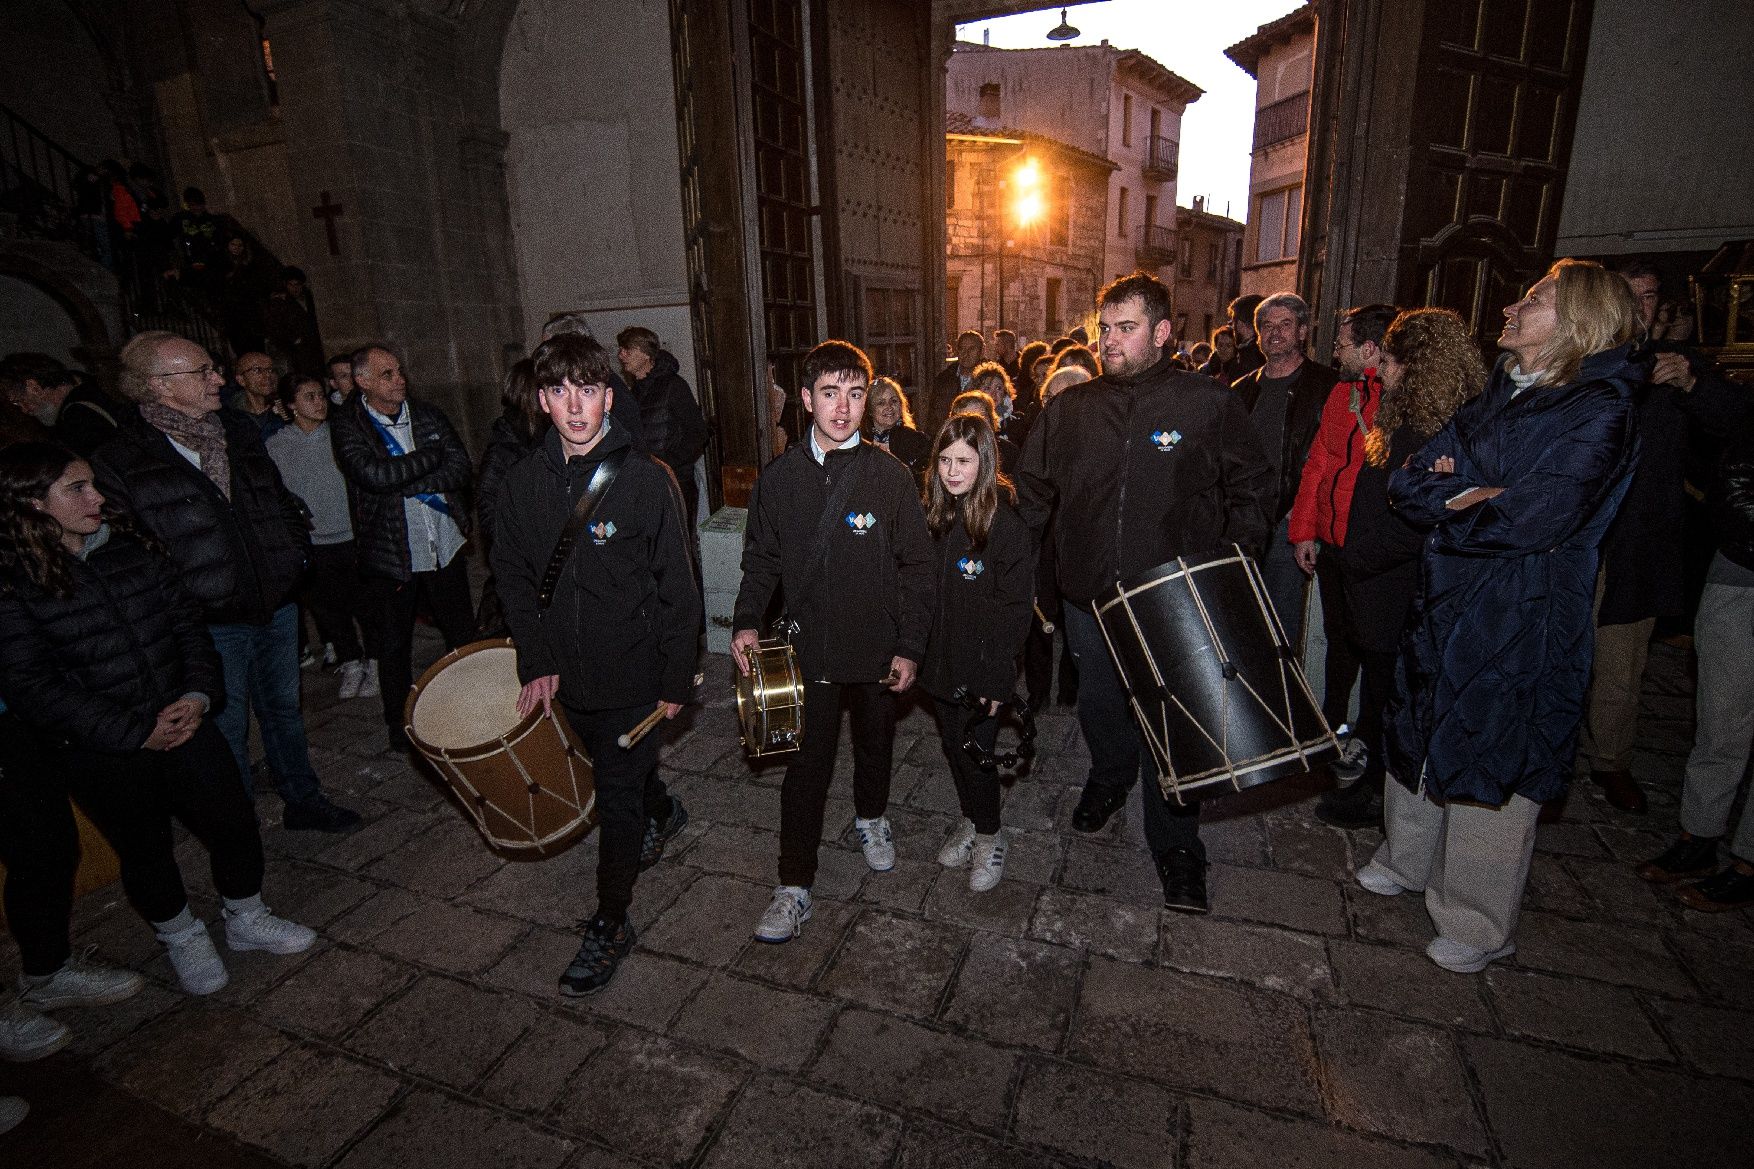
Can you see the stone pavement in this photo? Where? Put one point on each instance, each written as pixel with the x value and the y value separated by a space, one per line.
pixel 1059 1020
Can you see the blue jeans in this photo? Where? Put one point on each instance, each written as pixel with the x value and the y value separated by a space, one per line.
pixel 261 670
pixel 1118 754
pixel 1286 584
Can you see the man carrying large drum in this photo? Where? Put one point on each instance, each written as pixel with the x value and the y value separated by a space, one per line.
pixel 1143 465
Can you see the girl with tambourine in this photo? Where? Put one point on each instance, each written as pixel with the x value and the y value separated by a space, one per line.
pixel 986 587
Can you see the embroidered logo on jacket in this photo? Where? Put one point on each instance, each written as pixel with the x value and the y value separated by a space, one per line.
pixel 1165 440
pixel 601 531
pixel 860 524
pixel 970 567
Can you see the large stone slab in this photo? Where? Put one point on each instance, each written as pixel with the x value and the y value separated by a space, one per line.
pixel 447 1031
pixel 797 963
pixel 897 963
pixel 434 1131
pixel 648 991
pixel 539 1065
pixel 1608 953
pixel 777 1123
pixel 1713 1040
pixel 306 1106
pixel 1224 1136
pixel 1550 1110
pixel 554 891
pixel 452 938
pixel 1003 909
pixel 711 921
pixel 333 991
pixel 188 1060
pixel 929 1145
pixel 1403 981
pixel 763 1024
pixel 1273 959
pixel 1574 1012
pixel 1284 899
pixel 650 1098
pixel 1102 925
pixel 1122 872
pixel 1399 1079
pixel 1017 992
pixel 1196 1033
pixel 447 859
pixel 312 895
pixel 1058 1103
pixel 905 1065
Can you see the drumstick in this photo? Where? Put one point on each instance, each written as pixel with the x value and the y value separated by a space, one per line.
pixel 1047 626
pixel 643 729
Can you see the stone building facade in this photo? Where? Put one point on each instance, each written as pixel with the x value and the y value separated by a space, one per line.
pixel 1280 57
pixel 1207 270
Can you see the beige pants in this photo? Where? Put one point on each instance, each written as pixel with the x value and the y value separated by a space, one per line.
pixel 1472 861
pixel 1610 722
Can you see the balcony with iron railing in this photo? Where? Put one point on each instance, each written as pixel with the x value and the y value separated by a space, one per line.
pixel 1161 158
pixel 1156 246
pixel 1282 121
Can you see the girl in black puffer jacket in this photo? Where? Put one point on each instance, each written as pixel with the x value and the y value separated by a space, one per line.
pixel 104 656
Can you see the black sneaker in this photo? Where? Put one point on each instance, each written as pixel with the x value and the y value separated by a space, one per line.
pixel 1096 805
pixel 317 814
pixel 1730 889
pixel 658 835
pixel 1183 873
pixel 601 949
pixel 1688 857
pixel 1357 805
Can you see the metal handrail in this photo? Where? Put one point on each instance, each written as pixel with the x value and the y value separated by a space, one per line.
pixel 1282 121
pixel 1162 155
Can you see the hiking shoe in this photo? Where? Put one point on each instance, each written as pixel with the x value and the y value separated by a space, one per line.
pixel 1376 879
pixel 1688 857
pixel 318 814
pixel 79 984
pixel 196 962
pixel 958 846
pixel 1358 805
pixel 785 915
pixel 986 862
pixel 1463 958
pixel 877 842
pixel 27 1034
pixel 352 678
pixel 1096 804
pixel 257 929
pixel 651 849
pixel 602 946
pixel 1183 874
pixel 1354 756
pixel 1730 889
pixel 1621 790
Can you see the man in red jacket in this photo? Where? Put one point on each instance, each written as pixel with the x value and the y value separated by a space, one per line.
pixel 1317 530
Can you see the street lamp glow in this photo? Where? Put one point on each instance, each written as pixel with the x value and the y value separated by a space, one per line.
pixel 1029 204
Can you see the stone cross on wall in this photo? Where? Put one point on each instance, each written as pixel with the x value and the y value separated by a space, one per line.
pixel 328 212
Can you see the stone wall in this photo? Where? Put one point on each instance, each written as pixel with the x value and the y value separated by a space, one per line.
pixel 56 78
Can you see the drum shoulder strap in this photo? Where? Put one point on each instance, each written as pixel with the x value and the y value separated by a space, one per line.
pixel 826 524
pixel 581 515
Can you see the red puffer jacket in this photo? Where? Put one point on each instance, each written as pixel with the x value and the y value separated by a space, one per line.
pixel 1324 494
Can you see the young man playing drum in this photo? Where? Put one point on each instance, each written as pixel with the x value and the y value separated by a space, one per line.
pixel 836 524
pixel 594 572
pixel 1142 465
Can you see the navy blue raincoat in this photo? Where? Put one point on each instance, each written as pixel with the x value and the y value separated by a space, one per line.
pixel 1493 670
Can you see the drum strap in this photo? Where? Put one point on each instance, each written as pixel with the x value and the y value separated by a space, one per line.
pixel 582 511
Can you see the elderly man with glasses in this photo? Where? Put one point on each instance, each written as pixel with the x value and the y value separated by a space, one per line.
pixel 198 478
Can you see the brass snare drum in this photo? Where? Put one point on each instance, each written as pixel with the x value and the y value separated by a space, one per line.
pixel 770 700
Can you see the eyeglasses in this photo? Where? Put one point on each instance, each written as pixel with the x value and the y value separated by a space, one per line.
pixel 202 370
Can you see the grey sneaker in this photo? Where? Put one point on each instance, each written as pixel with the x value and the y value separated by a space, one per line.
pixel 959 846
pixel 257 929
pixel 196 962
pixel 27 1034
pixel 79 984
pixel 877 842
pixel 987 863
pixel 785 916
pixel 1354 755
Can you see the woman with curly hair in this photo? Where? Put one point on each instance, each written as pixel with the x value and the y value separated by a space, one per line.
pixel 890 424
pixel 105 657
pixel 1515 493
pixel 1428 365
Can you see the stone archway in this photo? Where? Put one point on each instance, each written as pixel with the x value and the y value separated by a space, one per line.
pixel 82 290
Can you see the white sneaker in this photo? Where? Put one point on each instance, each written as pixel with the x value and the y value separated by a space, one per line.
pixel 368 686
pixel 1379 880
pixel 195 960
pixel 1354 756
pixel 352 678
pixel 878 843
pixel 958 845
pixel 27 1034
pixel 12 1113
pixel 79 984
pixel 328 653
pixel 785 916
pixel 986 864
pixel 257 929
pixel 1463 958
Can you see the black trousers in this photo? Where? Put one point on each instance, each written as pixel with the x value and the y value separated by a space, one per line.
pixel 39 845
pixel 131 799
pixel 977 791
pixel 629 793
pixel 446 592
pixel 804 792
pixel 337 599
pixel 1373 705
pixel 1341 671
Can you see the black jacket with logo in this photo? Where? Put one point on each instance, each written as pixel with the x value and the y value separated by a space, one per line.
pixel 239 558
pixel 1136 471
pixel 378 482
pixel 983 610
pixel 872 599
pixel 622 627
pixel 1303 417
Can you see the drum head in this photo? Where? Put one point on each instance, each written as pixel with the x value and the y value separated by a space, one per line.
pixel 471 701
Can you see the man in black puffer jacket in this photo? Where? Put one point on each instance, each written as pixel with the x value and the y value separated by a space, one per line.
pixel 406 469
pixel 669 417
pixel 198 479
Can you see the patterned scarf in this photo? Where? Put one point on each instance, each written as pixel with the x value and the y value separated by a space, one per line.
pixel 204 435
